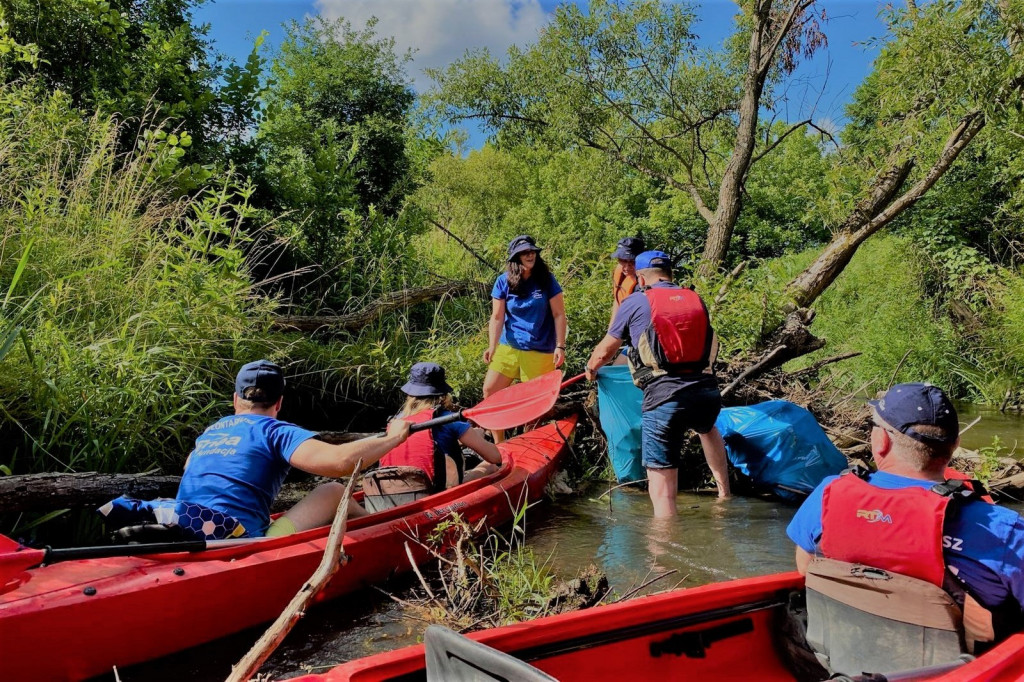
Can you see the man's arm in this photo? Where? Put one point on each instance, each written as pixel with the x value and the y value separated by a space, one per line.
pixel 803 557
pixel 316 457
pixel 603 352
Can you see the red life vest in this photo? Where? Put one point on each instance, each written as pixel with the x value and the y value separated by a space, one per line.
pixel 896 530
pixel 420 450
pixel 678 339
pixel 622 284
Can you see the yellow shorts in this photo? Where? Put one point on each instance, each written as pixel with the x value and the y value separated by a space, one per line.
pixel 521 364
pixel 282 526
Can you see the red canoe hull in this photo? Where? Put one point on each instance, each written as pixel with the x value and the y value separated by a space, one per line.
pixel 616 642
pixel 146 607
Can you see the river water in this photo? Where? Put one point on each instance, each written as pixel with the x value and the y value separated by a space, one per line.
pixel 710 541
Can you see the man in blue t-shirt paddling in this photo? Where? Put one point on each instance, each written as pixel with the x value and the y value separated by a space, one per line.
pixel 671 342
pixel 907 519
pixel 239 463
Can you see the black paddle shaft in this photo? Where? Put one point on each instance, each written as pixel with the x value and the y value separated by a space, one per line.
pixel 437 421
pixel 103 551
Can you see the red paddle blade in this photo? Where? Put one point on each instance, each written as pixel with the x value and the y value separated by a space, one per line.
pixel 14 558
pixel 517 404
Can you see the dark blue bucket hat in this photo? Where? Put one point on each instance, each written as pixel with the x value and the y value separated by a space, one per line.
pixel 629 248
pixel 264 375
pixel 904 405
pixel 426 379
pixel 523 242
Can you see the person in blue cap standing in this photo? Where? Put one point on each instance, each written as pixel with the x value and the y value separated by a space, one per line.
pixel 527 328
pixel 240 462
pixel 428 396
pixel 906 518
pixel 671 344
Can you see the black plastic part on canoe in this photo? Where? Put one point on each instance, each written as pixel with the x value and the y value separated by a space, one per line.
pixel 454 658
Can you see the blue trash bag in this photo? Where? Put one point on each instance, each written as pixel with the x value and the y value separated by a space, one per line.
pixel 618 405
pixel 780 446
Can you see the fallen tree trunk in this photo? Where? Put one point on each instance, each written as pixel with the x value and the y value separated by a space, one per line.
pixel 392 301
pixel 45 492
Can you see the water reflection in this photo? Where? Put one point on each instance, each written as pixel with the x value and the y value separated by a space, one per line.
pixel 710 540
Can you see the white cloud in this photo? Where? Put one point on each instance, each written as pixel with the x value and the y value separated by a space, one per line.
pixel 440 31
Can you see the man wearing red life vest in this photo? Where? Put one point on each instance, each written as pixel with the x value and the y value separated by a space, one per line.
pixel 670 337
pixel 899 520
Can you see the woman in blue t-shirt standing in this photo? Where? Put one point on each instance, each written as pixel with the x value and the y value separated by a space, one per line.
pixel 527 328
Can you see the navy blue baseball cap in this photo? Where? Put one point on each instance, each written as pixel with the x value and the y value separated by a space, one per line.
pixel 628 248
pixel 653 259
pixel 523 242
pixel 425 379
pixel 264 375
pixel 904 405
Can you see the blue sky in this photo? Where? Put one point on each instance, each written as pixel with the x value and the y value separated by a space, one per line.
pixel 442 30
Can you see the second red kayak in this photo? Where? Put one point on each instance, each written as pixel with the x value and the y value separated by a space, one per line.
pixel 725 631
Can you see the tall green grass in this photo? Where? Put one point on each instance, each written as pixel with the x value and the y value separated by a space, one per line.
pixel 133 305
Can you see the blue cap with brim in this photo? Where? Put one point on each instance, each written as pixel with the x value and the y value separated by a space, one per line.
pixel 905 405
pixel 654 259
pixel 426 379
pixel 523 242
pixel 628 248
pixel 263 375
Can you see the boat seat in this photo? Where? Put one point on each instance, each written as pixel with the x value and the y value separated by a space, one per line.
pixel 452 657
pixel 389 487
pixel 862 619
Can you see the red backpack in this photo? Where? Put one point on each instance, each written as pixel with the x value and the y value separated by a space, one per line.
pixel 677 341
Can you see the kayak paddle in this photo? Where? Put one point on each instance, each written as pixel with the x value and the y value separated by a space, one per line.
pixel 510 407
pixel 15 558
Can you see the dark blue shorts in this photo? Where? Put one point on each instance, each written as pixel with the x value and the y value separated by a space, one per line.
pixel 664 428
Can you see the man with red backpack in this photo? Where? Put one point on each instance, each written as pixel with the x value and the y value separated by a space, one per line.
pixel 671 340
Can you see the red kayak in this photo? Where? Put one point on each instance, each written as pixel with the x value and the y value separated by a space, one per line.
pixel 77 619
pixel 724 631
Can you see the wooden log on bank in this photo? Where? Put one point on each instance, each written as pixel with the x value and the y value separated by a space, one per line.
pixel 392 301
pixel 45 492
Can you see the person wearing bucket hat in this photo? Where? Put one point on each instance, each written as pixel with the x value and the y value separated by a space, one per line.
pixel 428 396
pixel 671 344
pixel 624 280
pixel 239 463
pixel 909 518
pixel 527 327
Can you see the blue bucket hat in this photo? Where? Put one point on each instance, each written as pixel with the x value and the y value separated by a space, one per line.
pixel 426 379
pixel 628 248
pixel 653 259
pixel 523 242
pixel 264 375
pixel 904 405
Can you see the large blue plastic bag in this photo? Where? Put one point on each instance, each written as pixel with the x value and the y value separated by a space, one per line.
pixel 618 405
pixel 780 446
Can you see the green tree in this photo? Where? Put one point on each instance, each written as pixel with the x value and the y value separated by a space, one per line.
pixel 133 58
pixel 331 151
